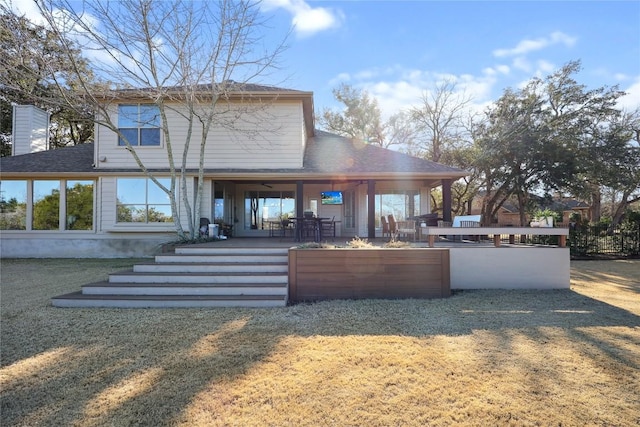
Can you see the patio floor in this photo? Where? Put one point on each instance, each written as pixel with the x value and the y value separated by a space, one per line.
pixel 275 242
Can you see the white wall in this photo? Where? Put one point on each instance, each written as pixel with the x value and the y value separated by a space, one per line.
pixel 510 268
pixel 30 130
pixel 271 138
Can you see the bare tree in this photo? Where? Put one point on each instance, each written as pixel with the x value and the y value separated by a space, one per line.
pixel 185 57
pixel 31 59
pixel 439 119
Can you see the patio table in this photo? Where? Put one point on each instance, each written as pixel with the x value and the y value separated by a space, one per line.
pixel 299 224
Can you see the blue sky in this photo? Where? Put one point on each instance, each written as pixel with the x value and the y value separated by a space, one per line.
pixel 396 50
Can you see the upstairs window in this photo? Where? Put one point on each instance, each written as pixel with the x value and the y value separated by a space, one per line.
pixel 139 124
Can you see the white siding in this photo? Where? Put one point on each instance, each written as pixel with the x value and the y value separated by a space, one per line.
pixel 270 138
pixel 30 130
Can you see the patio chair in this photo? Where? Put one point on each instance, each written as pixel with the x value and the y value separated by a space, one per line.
pixel 393 229
pixel 329 228
pixel 310 229
pixel 407 228
pixel 471 224
pixel 385 227
pixel 204 227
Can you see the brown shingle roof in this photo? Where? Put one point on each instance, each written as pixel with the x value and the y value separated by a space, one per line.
pixel 330 153
pixel 76 159
pixel 326 155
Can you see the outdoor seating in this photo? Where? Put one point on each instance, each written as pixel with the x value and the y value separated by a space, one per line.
pixel 310 229
pixel 385 227
pixel 329 228
pixel 393 229
pixel 406 228
pixel 204 227
pixel 471 224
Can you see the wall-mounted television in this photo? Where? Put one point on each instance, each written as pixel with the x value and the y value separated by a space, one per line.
pixel 331 197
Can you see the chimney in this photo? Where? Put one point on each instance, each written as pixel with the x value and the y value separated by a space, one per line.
pixel 30 130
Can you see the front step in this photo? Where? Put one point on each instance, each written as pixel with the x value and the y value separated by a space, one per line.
pixel 80 300
pixel 230 289
pixel 227 267
pixel 222 258
pixel 195 250
pixel 206 278
pixel 193 277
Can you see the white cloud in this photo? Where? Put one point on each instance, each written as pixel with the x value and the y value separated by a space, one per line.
pixel 545 67
pixel 30 11
pixel 398 88
pixel 307 20
pixel 522 63
pixel 526 46
pixel 631 100
pixel 498 69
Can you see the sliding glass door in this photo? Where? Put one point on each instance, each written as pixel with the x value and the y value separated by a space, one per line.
pixel 262 206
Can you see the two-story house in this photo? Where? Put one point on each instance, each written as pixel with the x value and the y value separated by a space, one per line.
pixel 93 200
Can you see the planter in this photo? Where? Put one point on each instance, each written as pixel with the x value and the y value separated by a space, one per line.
pixel 349 273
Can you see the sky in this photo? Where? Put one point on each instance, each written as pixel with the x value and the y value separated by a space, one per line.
pixel 399 50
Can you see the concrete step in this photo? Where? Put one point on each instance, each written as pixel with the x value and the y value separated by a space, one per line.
pixel 222 258
pixel 131 276
pixel 80 300
pixel 282 267
pixel 166 289
pixel 197 250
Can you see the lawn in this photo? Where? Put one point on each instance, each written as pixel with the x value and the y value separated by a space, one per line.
pixel 567 357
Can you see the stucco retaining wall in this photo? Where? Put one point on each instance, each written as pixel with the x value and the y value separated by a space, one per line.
pixel 80 247
pixel 510 268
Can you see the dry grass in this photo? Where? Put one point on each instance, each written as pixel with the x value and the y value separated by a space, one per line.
pixel 480 358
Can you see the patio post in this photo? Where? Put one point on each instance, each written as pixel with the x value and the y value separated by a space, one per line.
pixel 371 209
pixel 446 199
pixel 299 199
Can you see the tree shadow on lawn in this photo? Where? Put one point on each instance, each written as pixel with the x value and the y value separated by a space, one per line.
pixel 145 367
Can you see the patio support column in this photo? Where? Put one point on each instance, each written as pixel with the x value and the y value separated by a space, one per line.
pixel 299 199
pixel 446 199
pixel 371 209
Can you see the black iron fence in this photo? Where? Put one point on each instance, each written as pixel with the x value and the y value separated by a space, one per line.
pixel 595 240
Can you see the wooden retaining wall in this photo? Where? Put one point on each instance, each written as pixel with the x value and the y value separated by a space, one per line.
pixel 344 273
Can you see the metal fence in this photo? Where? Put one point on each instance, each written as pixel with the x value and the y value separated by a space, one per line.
pixel 595 240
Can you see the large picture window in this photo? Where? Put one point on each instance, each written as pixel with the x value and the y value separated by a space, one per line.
pixel 49 204
pixel 13 205
pixel 139 124
pixel 79 203
pixel 46 205
pixel 140 200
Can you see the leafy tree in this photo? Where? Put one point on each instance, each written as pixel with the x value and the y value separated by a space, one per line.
pixel 80 207
pixel 34 70
pixel 185 57
pixel 547 136
pixel 46 212
pixel 611 163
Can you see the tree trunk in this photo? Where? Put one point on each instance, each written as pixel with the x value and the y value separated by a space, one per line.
pixel 596 205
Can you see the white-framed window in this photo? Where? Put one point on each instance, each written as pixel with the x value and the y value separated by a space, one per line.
pixel 140 200
pixel 139 124
pixel 53 205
